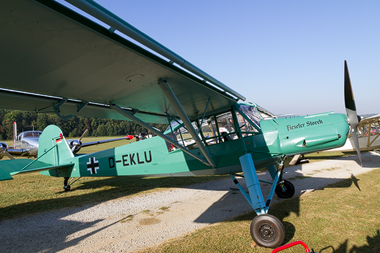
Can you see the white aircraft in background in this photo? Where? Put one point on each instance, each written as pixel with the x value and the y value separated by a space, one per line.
pixel 26 143
pixel 368 133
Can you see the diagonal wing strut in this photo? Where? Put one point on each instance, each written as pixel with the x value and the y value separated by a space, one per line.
pixel 165 87
pixel 142 123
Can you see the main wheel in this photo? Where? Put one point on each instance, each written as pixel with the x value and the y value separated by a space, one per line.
pixel 267 231
pixel 285 190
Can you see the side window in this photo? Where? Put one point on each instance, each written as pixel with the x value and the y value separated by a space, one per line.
pixel 213 130
pixel 210 131
pixel 219 128
pixel 179 133
pixel 226 127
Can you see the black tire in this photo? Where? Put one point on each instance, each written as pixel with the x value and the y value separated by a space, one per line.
pixel 285 190
pixel 67 188
pixel 267 231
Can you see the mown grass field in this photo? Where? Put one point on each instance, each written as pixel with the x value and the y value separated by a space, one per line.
pixel 31 193
pixel 338 218
pixel 342 217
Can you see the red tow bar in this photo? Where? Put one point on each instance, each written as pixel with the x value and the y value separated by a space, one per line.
pixel 291 245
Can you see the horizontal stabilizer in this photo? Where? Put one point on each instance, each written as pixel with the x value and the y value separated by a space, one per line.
pixel 9 168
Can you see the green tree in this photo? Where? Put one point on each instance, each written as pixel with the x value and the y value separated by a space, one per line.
pixel 42 121
pixel 101 130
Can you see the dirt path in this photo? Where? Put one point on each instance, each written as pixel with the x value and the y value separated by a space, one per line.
pixel 148 220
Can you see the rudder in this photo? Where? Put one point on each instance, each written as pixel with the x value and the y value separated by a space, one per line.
pixel 53 147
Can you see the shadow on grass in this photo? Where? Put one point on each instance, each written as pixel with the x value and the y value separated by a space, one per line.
pixel 56 230
pixel 282 209
pixel 91 191
pixel 373 245
pixel 116 187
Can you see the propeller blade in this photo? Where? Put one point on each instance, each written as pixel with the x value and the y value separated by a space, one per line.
pixel 85 131
pixel 351 109
pixel 9 155
pixel 354 133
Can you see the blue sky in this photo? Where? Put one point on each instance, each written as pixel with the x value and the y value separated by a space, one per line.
pixel 286 56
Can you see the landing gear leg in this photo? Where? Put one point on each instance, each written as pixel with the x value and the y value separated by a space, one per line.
pixel 66 186
pixel 284 189
pixel 266 230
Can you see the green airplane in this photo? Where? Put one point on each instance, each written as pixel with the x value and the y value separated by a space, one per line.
pixel 56 60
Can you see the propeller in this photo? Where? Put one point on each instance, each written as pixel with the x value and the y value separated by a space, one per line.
pixel 76 145
pixel 351 110
pixel 4 151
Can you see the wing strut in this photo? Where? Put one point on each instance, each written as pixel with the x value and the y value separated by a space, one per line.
pixel 142 123
pixel 204 115
pixel 165 87
pixel 57 110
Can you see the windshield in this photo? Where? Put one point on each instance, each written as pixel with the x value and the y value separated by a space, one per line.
pixel 31 134
pixel 252 113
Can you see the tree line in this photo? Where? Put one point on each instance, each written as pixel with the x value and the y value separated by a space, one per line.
pixel 71 128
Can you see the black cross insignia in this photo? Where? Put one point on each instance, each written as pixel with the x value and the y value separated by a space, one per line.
pixel 92 165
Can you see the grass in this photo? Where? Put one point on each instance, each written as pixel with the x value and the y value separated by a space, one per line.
pixel 339 218
pixel 32 193
pixel 343 217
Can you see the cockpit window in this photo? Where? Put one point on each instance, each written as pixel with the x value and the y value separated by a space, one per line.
pixel 32 134
pixel 245 126
pixel 252 113
pixel 213 130
pixel 28 134
pixel 179 133
pixel 217 128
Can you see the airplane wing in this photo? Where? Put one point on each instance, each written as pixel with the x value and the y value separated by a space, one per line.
pixel 76 145
pixel 368 138
pixel 369 120
pixel 92 143
pixel 56 60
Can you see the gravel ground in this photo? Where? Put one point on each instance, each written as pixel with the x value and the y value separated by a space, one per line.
pixel 144 221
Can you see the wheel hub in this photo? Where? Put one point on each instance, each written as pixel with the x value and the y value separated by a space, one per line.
pixel 267 232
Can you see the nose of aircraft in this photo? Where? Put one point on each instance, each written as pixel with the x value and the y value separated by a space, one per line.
pixel 304 134
pixel 32 147
pixel 317 132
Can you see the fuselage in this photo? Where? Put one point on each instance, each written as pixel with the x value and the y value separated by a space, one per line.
pixel 226 137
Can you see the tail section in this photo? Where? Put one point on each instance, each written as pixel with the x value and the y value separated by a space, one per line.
pixel 54 155
pixel 53 148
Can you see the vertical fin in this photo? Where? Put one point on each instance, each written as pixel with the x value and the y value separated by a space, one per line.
pixel 53 147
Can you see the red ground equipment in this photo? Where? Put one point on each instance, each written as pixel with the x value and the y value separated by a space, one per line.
pixel 289 245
